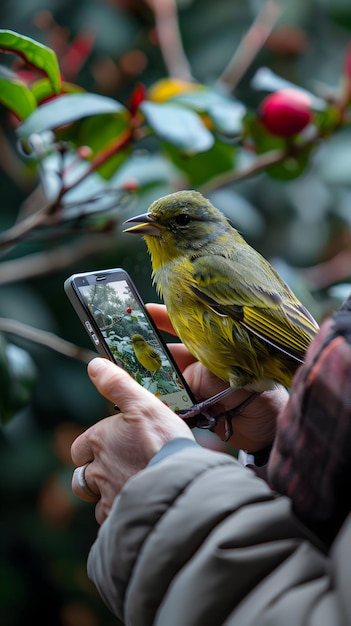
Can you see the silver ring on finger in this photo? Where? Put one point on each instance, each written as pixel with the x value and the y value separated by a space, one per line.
pixel 82 482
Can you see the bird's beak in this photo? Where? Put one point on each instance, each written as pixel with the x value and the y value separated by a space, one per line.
pixel 145 226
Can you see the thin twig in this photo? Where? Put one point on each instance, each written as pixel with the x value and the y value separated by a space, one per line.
pixel 273 157
pixel 330 272
pixel 20 229
pixel 45 338
pixel 45 262
pixel 258 165
pixel 166 20
pixel 250 45
pixel 100 158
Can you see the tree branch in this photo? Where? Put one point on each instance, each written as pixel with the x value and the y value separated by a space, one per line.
pixel 335 270
pixel 46 339
pixel 261 162
pixel 100 158
pixel 22 228
pixel 166 20
pixel 250 45
pixel 258 165
pixel 45 262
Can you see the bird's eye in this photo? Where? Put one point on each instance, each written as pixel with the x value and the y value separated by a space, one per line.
pixel 182 219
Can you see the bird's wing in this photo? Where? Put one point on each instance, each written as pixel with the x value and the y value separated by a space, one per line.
pixel 255 296
pixel 154 355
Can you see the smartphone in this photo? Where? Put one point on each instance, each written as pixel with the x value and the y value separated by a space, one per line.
pixel 116 320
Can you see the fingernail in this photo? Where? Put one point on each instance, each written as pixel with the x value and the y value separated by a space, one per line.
pixel 96 366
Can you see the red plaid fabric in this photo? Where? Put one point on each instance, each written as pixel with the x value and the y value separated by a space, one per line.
pixel 311 457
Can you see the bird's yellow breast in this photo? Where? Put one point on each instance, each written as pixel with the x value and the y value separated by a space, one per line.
pixel 218 342
pixel 162 250
pixel 208 336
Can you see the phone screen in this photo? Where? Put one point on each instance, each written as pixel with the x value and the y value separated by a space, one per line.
pixel 112 302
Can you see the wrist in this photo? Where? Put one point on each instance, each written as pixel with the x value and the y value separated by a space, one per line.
pixel 171 447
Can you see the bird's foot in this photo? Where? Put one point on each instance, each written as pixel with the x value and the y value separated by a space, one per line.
pixel 200 412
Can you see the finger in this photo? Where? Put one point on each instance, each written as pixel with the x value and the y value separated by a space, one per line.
pixel 255 427
pixel 81 449
pixel 181 355
pixel 119 387
pixel 81 485
pixel 159 315
pixel 100 512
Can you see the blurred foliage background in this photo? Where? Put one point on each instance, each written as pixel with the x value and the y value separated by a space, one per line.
pixel 297 212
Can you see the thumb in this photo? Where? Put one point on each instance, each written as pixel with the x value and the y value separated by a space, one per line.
pixel 137 404
pixel 119 387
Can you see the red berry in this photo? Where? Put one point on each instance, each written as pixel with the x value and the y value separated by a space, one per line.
pixel 285 112
pixel 130 185
pixel 84 152
pixel 128 309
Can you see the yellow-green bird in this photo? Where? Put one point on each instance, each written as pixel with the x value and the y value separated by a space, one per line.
pixel 226 302
pixel 145 354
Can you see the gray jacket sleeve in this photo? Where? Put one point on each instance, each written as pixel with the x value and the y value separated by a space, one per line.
pixel 196 538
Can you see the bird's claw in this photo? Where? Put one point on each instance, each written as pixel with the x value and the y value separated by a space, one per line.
pixel 195 419
pixel 200 412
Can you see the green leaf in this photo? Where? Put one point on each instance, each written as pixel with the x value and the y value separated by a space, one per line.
pixel 178 126
pixel 203 166
pixel 264 141
pixel 42 89
pixel 328 120
pixel 67 109
pixel 23 374
pixel 227 117
pixel 17 378
pixel 226 114
pixel 291 167
pixel 341 292
pixel 98 132
pixel 34 53
pixel 146 169
pixel 18 98
pixel 266 80
pixel 5 379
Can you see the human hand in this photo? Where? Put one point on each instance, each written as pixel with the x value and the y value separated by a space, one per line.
pixel 254 427
pixel 120 446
